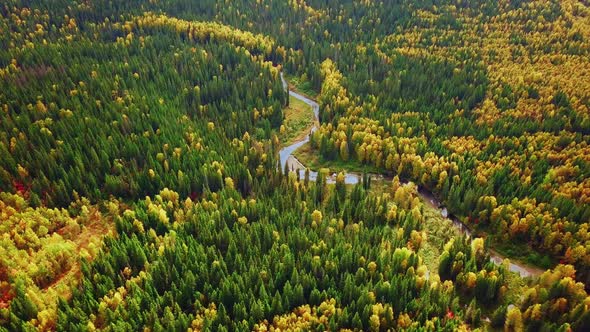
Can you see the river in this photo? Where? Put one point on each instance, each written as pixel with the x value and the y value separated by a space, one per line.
pixel 287 158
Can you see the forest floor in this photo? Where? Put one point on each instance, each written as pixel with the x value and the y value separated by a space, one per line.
pixel 298 121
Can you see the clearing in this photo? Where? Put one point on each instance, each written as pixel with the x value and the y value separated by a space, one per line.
pixel 299 119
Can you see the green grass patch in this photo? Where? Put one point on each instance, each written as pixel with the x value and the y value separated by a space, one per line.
pixel 312 160
pixel 523 253
pixel 298 121
pixel 303 87
pixel 439 231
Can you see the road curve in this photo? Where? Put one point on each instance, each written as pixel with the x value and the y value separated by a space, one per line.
pixel 287 158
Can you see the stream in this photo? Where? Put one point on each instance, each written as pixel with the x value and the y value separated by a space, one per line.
pixel 287 159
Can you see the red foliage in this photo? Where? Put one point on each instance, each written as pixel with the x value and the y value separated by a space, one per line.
pixel 6 295
pixel 20 187
pixel 450 314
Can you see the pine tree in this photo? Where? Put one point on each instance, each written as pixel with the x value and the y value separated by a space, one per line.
pixel 21 305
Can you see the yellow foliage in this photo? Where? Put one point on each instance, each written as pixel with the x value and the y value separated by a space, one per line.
pixel 33 249
pixel 316 216
pixel 201 31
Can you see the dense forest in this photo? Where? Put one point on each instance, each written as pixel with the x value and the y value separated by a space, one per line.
pixel 141 186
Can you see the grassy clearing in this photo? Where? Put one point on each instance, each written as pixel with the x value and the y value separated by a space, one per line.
pixel 301 87
pixel 439 231
pixel 298 121
pixel 311 159
pixel 523 253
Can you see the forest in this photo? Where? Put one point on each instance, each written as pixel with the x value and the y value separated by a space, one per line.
pixel 142 187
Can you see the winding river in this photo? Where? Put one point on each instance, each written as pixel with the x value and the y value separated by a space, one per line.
pixel 287 159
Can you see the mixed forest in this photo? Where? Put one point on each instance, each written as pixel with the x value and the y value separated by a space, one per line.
pixel 140 178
